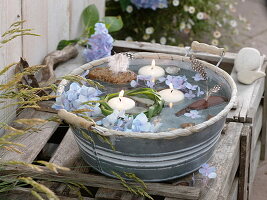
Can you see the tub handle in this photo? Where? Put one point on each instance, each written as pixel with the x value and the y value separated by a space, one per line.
pixel 75 120
pixel 202 47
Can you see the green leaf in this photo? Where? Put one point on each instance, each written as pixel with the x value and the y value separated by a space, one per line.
pixel 63 43
pixel 113 23
pixel 124 4
pixel 90 16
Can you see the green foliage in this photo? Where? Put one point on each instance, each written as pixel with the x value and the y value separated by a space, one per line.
pixel 209 21
pixel 148 93
pixel 90 16
pixel 124 4
pixel 113 24
pixel 63 43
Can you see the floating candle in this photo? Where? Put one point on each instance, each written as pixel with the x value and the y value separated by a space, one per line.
pixel 121 103
pixel 152 70
pixel 171 95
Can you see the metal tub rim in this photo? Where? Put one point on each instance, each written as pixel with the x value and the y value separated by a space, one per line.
pixel 161 135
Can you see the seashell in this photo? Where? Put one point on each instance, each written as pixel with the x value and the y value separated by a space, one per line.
pixel 248 77
pixel 172 70
pixel 247 59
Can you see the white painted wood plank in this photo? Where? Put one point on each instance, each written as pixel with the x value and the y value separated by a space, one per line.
pixel 10 11
pixel 36 16
pixel 58 22
pixel 76 8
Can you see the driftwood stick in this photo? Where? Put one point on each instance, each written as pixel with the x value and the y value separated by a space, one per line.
pixel 53 58
pixel 30 79
pixel 75 120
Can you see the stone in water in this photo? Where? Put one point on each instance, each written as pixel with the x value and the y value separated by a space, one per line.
pixel 172 70
pixel 186 125
pixel 203 104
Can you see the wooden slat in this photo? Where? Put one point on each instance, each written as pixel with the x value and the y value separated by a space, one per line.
pixel 246 99
pixel 100 181
pixel 34 142
pixel 67 153
pixel 256 127
pixel 253 167
pixel 76 8
pixel 264 125
pixel 255 162
pixel 234 191
pixel 108 194
pixel 23 193
pixel 255 100
pixel 36 16
pixel 244 162
pixel 10 11
pixel 145 46
pixel 58 22
pixel 224 159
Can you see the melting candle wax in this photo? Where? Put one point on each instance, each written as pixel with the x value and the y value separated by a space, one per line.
pixel 171 95
pixel 121 103
pixel 152 70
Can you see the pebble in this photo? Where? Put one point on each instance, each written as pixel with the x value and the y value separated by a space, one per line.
pixel 172 70
pixel 186 125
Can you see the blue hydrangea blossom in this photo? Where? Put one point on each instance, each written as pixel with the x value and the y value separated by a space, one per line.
pixel 146 79
pixel 192 114
pixel 208 171
pixel 74 98
pixel 121 122
pixel 152 4
pixel 99 45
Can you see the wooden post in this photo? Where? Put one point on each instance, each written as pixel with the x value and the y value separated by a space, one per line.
pixel 264 127
pixel 244 162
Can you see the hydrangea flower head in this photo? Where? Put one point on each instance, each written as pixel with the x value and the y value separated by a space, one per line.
pixel 100 28
pixel 99 44
pixel 190 94
pixel 152 4
pixel 208 171
pixel 141 124
pixel 198 77
pixel 193 114
pixel 74 99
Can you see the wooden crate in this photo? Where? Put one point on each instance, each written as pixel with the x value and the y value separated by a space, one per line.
pixel 226 159
pixel 234 151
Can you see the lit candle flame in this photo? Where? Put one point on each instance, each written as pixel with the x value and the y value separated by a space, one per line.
pixel 153 64
pixel 121 93
pixel 170 105
pixel 153 80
